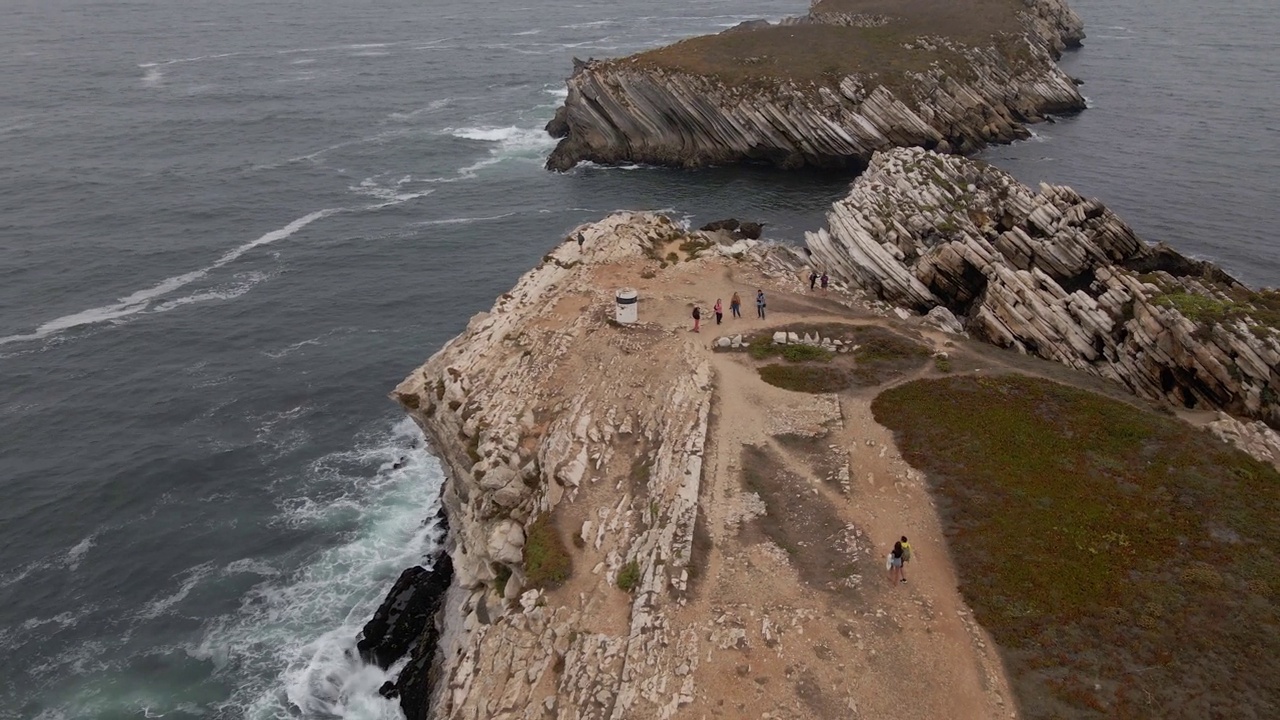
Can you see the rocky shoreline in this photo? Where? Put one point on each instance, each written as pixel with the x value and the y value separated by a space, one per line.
pixel 925 86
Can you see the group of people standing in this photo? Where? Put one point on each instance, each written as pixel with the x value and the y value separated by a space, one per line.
pixel 735 307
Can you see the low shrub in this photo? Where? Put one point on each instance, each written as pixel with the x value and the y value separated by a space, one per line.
pixel 546 560
pixel 629 576
pixel 805 378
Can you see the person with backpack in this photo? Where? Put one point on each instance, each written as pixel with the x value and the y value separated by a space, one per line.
pixel 760 303
pixel 894 563
pixel 813 278
pixel 697 318
pixel 906 557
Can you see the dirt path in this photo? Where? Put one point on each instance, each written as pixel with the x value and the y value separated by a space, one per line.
pixel 803 496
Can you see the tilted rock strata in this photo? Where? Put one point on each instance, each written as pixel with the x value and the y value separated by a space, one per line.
pixel 1053 274
pixel 528 418
pixel 621 111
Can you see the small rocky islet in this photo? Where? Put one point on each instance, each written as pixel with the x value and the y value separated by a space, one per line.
pixel 644 522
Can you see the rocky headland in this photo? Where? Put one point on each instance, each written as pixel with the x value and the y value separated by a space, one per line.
pixel 647 522
pixel 1057 275
pixel 827 89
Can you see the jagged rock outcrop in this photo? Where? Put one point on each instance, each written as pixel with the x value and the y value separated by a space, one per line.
pixel 1057 275
pixel 403 615
pixel 748 95
pixel 557 427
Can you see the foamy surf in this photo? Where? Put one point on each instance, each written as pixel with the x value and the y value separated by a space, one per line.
pixel 143 300
pixel 510 143
pixel 291 647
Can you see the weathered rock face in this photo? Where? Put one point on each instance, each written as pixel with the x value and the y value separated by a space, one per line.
pixel 1057 275
pixel 970 94
pixel 539 436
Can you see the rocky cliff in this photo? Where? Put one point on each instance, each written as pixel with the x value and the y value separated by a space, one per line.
pixel 542 402
pixel 828 89
pixel 1056 275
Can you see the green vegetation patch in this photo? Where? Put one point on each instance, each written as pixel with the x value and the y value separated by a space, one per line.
pixel 805 378
pixel 1262 307
pixel 824 53
pixel 884 355
pixel 546 559
pixel 629 576
pixel 764 348
pixel 1128 564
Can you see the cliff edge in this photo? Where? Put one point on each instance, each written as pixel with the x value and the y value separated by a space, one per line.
pixel 827 89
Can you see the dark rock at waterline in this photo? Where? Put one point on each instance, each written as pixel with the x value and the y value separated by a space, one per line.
pixel 389 690
pixel 414 685
pixel 405 613
pixel 398 621
pixel 750 230
pixel 739 230
pixel 729 224
pixel 558 126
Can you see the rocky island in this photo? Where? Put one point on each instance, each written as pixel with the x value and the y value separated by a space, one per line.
pixel 827 89
pixel 1073 426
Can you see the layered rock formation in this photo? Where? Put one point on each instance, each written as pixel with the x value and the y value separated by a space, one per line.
pixel 547 418
pixel 1057 275
pixel 829 89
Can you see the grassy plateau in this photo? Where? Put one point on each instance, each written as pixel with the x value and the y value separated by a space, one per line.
pixel 1127 563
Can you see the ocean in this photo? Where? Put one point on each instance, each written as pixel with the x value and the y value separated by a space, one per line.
pixel 227 230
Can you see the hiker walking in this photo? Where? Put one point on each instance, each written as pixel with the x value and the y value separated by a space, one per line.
pixel 735 305
pixel 825 279
pixel 894 563
pixel 580 241
pixel 906 557
pixel 697 318
pixel 760 303
pixel 719 311
pixel 813 279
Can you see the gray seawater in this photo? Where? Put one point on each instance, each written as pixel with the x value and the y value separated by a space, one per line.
pixel 228 229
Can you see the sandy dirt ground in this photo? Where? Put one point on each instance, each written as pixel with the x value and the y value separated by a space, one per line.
pixel 802 498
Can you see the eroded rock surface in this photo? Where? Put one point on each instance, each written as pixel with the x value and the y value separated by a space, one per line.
pixel 1054 274
pixel 545 411
pixel 762 93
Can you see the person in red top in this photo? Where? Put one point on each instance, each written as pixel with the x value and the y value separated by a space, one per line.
pixel 719 311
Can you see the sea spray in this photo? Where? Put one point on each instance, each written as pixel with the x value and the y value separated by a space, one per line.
pixel 292 646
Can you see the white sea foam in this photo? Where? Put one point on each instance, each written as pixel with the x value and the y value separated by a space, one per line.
pixel 162 605
pixel 464 220
pixel 277 354
pixel 250 565
pixel 142 300
pixel 77 552
pixel 510 143
pixel 431 107
pixel 392 194
pixel 527 32
pixel 292 643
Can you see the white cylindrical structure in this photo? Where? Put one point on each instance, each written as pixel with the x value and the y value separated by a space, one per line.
pixel 625 305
